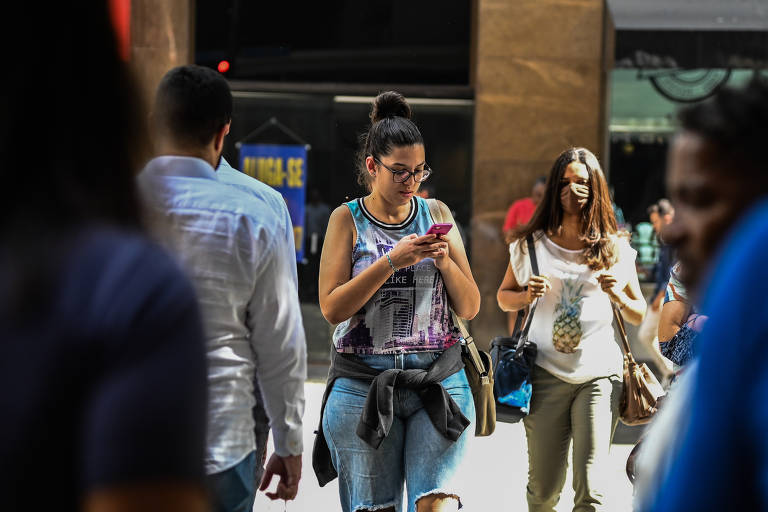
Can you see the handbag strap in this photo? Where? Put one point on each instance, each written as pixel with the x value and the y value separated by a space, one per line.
pixel 469 341
pixel 622 331
pixel 469 344
pixel 529 320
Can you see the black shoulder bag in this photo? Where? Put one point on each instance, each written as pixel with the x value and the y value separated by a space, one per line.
pixel 513 359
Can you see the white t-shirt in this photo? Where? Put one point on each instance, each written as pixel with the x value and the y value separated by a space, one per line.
pixel 573 322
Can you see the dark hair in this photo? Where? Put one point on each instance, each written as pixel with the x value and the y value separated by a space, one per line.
pixel 391 127
pixel 735 122
pixel 72 139
pixel 541 180
pixel 664 207
pixel 654 208
pixel 598 221
pixel 192 104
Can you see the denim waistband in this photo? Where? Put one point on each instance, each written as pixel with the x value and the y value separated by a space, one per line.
pixel 410 361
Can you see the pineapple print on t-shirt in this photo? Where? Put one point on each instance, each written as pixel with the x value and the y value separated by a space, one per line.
pixel 566 331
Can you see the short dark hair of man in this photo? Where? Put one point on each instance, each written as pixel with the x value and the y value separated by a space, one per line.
pixel 192 104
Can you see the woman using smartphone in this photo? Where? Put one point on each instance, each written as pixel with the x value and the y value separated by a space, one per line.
pixel 585 266
pixel 390 288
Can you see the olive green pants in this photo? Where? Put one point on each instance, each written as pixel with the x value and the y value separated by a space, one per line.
pixel 586 413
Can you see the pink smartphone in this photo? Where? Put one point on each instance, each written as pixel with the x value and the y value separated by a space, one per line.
pixel 439 229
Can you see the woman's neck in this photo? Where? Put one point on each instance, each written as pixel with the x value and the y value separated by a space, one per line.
pixel 385 211
pixel 570 234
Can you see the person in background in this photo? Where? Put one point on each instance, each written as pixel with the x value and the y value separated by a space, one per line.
pixel 660 215
pixel 391 288
pixel 426 191
pixel 518 215
pixel 718 184
pixel 102 374
pixel 521 211
pixel 680 321
pixel 621 222
pixel 238 250
pixel 317 213
pixel 586 269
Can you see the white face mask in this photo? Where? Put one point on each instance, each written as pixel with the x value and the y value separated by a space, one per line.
pixel 573 197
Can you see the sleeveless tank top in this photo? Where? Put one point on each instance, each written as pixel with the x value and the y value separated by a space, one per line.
pixel 410 312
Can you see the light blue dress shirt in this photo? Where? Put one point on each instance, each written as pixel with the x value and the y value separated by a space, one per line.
pixel 236 244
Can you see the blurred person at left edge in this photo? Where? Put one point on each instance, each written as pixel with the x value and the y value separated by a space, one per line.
pixel 102 372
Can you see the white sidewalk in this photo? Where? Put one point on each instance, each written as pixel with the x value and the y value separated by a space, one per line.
pixel 496 468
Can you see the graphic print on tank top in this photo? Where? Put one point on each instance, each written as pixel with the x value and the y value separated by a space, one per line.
pixel 410 312
pixel 566 330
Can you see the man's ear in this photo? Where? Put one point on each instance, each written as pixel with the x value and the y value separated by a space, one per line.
pixel 218 141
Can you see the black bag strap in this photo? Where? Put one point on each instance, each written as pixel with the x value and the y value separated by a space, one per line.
pixel 519 320
pixel 535 270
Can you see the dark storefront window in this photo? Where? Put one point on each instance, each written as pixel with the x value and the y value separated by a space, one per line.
pixel 644 105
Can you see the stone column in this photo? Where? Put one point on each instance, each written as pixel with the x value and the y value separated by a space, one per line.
pixel 540 75
pixel 162 36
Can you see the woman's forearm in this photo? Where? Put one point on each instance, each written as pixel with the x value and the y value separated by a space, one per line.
pixel 462 291
pixel 633 310
pixel 347 299
pixel 512 300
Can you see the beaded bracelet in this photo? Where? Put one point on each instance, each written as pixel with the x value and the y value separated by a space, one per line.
pixel 390 263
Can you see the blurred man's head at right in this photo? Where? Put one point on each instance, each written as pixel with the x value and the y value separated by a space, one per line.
pixel 718 167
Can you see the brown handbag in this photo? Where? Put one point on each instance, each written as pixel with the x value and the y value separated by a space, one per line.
pixel 479 370
pixel 641 393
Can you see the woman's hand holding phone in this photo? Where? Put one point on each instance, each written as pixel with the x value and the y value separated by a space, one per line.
pixel 413 248
pixel 441 228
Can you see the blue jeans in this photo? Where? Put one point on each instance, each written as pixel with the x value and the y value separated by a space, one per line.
pixel 413 454
pixel 233 490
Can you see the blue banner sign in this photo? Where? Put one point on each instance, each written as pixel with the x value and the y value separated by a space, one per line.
pixel 284 168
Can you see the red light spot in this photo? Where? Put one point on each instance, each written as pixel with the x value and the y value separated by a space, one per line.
pixel 223 66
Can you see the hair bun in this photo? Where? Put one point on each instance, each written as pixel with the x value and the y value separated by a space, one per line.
pixel 390 104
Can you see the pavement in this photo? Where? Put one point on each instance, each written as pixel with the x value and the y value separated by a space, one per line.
pixel 495 468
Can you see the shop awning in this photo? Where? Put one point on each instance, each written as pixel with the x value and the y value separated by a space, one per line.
pixel 708 15
pixel 690 33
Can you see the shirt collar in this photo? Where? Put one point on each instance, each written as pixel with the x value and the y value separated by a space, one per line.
pixel 185 166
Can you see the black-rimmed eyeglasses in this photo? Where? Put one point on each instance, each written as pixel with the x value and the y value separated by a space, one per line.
pixel 401 175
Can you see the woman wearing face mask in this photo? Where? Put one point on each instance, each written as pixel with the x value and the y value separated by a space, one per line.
pixel 584 265
pixel 397 409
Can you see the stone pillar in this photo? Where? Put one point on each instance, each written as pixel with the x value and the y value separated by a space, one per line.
pixel 540 75
pixel 162 36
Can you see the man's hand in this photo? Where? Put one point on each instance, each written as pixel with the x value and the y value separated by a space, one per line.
pixel 289 471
